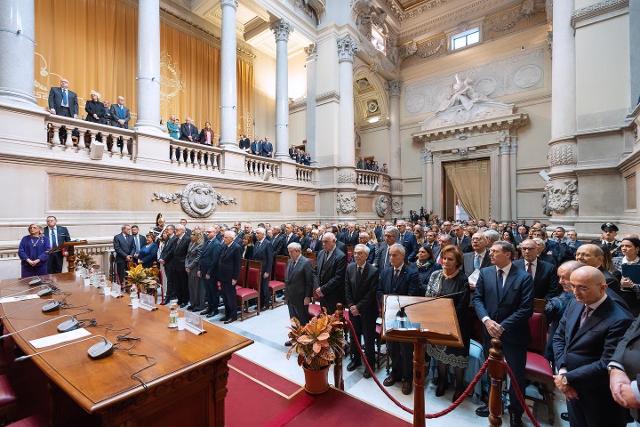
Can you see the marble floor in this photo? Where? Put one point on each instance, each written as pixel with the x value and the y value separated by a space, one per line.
pixel 269 332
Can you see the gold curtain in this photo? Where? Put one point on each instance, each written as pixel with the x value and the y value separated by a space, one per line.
pixel 472 184
pixel 93 43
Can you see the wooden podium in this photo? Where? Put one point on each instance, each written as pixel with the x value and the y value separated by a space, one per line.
pixel 69 248
pixel 433 321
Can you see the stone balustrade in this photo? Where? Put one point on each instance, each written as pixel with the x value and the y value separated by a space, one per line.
pixel 257 166
pixel 65 133
pixel 195 155
pixel 304 173
pixel 368 179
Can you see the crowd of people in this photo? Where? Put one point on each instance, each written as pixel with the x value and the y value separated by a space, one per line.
pixel 493 272
pixel 300 156
pixel 371 165
pixel 257 147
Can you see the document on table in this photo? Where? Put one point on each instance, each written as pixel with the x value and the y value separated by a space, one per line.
pixel 60 338
pixel 17 298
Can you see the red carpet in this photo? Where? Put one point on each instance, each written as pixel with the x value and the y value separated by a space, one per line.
pixel 259 397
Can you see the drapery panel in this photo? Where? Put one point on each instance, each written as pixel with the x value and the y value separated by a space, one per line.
pixel 93 43
pixel 471 182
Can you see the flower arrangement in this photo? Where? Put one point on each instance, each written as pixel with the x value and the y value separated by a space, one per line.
pixel 317 343
pixel 84 260
pixel 144 279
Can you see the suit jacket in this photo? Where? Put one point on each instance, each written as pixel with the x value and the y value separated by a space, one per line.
pixel 545 282
pixel 467 261
pixel 229 263
pixel 381 256
pixel 180 253
pixel 141 240
pixel 410 245
pixel 378 232
pixel 627 352
pixel 210 257
pixel 330 277
pixel 267 148
pixel 279 246
pixel 288 239
pixel 187 130
pixel 510 305
pixel 120 114
pixel 193 255
pixel 123 246
pixel 61 232
pixel 168 252
pixel 264 252
pixel 408 282
pixel 586 351
pixel 304 242
pixel 55 100
pixel 372 253
pixel 351 239
pixel 362 293
pixel 298 282
pixel 465 243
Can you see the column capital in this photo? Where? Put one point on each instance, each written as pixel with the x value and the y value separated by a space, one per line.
pixel 347 47
pixel 394 87
pixel 281 29
pixel 311 51
pixel 232 3
pixel 427 156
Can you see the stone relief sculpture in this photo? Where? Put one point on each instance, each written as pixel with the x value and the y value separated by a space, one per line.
pixel 346 203
pixel 198 199
pixel 561 195
pixel 562 154
pixel 396 206
pixel 382 205
pixel 462 93
pixel 346 178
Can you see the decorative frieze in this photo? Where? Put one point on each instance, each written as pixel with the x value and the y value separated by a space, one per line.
pixel 198 199
pixel 346 203
pixel 395 87
pixel 597 9
pixel 562 154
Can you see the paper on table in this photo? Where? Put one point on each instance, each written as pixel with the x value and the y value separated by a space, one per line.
pixel 59 338
pixel 17 298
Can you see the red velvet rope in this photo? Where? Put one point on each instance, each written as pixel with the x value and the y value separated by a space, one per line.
pixel 519 395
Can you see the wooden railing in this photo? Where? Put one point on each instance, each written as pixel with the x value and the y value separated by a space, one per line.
pixel 194 155
pixel 65 133
pixel 367 178
pixel 258 165
pixel 304 173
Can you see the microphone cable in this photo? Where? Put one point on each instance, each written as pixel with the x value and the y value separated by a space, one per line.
pixel 126 336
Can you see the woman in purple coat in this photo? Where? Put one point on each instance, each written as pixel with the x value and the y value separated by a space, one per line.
pixel 33 252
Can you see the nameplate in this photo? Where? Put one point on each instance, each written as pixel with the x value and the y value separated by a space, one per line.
pixel 193 323
pixel 59 338
pixel 148 302
pixel 18 298
pixel 116 290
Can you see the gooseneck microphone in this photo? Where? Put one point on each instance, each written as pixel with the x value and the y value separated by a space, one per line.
pixel 26 291
pixel 96 351
pixel 401 315
pixel 47 321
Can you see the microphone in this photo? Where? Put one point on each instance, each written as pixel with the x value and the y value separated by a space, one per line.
pixel 46 321
pixel 29 290
pixel 96 351
pixel 403 319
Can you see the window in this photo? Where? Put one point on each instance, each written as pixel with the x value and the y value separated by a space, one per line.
pixel 377 39
pixel 467 38
pixel 630 182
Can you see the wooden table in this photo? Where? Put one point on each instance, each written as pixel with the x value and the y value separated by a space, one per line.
pixel 187 385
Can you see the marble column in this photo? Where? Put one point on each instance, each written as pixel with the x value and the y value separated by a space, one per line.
pixel 281 29
pixel 505 180
pixel 310 124
pixel 394 131
pixel 17 40
pixel 427 157
pixel 347 48
pixel 148 75
pixel 228 78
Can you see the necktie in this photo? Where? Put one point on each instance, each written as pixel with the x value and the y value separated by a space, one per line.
pixel 585 314
pixel 500 278
pixel 291 267
pixel 386 258
pixel 55 238
pixel 476 262
pixel 359 278
pixel 396 273
pixel 529 269
pixel 137 242
pixel 65 98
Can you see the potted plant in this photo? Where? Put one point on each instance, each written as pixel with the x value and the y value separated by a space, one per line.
pixel 144 279
pixel 317 344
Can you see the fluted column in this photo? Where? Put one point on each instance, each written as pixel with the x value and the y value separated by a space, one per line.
pixel 310 125
pixel 427 158
pixel 505 180
pixel 228 79
pixel 347 48
pixel 394 131
pixel 17 40
pixel 281 29
pixel 148 75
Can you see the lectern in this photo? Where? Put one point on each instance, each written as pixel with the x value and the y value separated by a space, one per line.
pixel 68 247
pixel 428 320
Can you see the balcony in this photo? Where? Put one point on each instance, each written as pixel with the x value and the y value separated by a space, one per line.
pixel 367 180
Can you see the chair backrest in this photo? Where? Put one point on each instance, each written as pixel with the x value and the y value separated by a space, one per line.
pixel 282 258
pixel 538 305
pixel 313 258
pixel 281 268
pixel 255 264
pixel 349 253
pixel 253 278
pixel 242 278
pixel 538 330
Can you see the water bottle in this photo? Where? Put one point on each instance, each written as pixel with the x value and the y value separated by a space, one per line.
pixel 133 295
pixel 173 316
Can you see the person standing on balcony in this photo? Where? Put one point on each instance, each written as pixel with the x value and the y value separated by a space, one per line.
pixel 267 148
pixel 173 127
pixel 94 108
pixel 188 131
pixel 62 101
pixel 120 114
pixel 206 135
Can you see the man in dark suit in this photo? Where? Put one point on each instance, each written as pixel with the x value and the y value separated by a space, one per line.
pixel 120 114
pixel 267 148
pixel 207 269
pixel 408 240
pixel 545 279
pixel 460 240
pixel 138 240
pixel 263 252
pixel 188 131
pixel 399 278
pixel 57 235
pixel 583 345
pixel 278 240
pixel 431 241
pixel 361 284
pixel 123 246
pixel 477 259
pixel 391 236
pixel 245 143
pixel 364 240
pixel 503 300
pixel 167 260
pixel 624 371
pixel 180 289
pixel 313 243
pixel 299 282
pixel 593 255
pixel 256 148
pixel 289 237
pixel 351 235
pixel 331 265
pixel 62 101
pixel 379 231
pixel 228 273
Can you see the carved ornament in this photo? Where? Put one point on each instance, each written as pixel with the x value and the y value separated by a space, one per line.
pixel 346 178
pixel 281 29
pixel 561 195
pixel 396 206
pixel 347 47
pixel 562 154
pixel 597 9
pixel 382 205
pixel 198 199
pixel 346 203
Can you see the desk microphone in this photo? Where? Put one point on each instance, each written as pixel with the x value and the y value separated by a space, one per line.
pixel 401 315
pixel 96 351
pixel 47 321
pixel 47 290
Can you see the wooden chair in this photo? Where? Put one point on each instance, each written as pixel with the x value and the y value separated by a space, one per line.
pixel 251 289
pixel 538 369
pixel 8 400
pixel 277 283
pixel 312 256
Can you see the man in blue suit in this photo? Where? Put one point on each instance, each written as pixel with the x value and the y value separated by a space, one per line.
pixel 62 101
pixel 263 252
pixel 207 269
pixel 543 274
pixel 503 301
pixel 123 246
pixel 408 240
pixel 584 343
pixel 399 278
pixel 228 273
pixel 57 236
pixel 120 114
pixel 267 148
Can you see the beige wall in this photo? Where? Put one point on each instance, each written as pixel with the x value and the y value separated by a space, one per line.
pixel 265 95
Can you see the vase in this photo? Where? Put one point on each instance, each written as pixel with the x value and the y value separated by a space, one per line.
pixel 316 382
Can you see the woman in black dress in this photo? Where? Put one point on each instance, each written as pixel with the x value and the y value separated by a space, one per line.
pixel 94 108
pixel 451 279
pixel 425 264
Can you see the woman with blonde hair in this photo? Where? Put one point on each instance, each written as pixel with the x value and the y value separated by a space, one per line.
pixel 94 108
pixel 33 252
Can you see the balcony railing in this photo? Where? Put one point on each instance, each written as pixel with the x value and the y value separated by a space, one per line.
pixel 304 173
pixel 67 133
pixel 195 155
pixel 257 166
pixel 369 179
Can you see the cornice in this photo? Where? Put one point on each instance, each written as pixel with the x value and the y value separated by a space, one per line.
pixel 326 97
pixel 400 14
pixel 490 125
pixel 597 9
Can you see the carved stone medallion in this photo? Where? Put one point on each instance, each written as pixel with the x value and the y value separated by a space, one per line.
pixel 382 205
pixel 346 203
pixel 198 199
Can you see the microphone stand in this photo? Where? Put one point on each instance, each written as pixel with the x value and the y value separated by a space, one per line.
pixel 401 316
